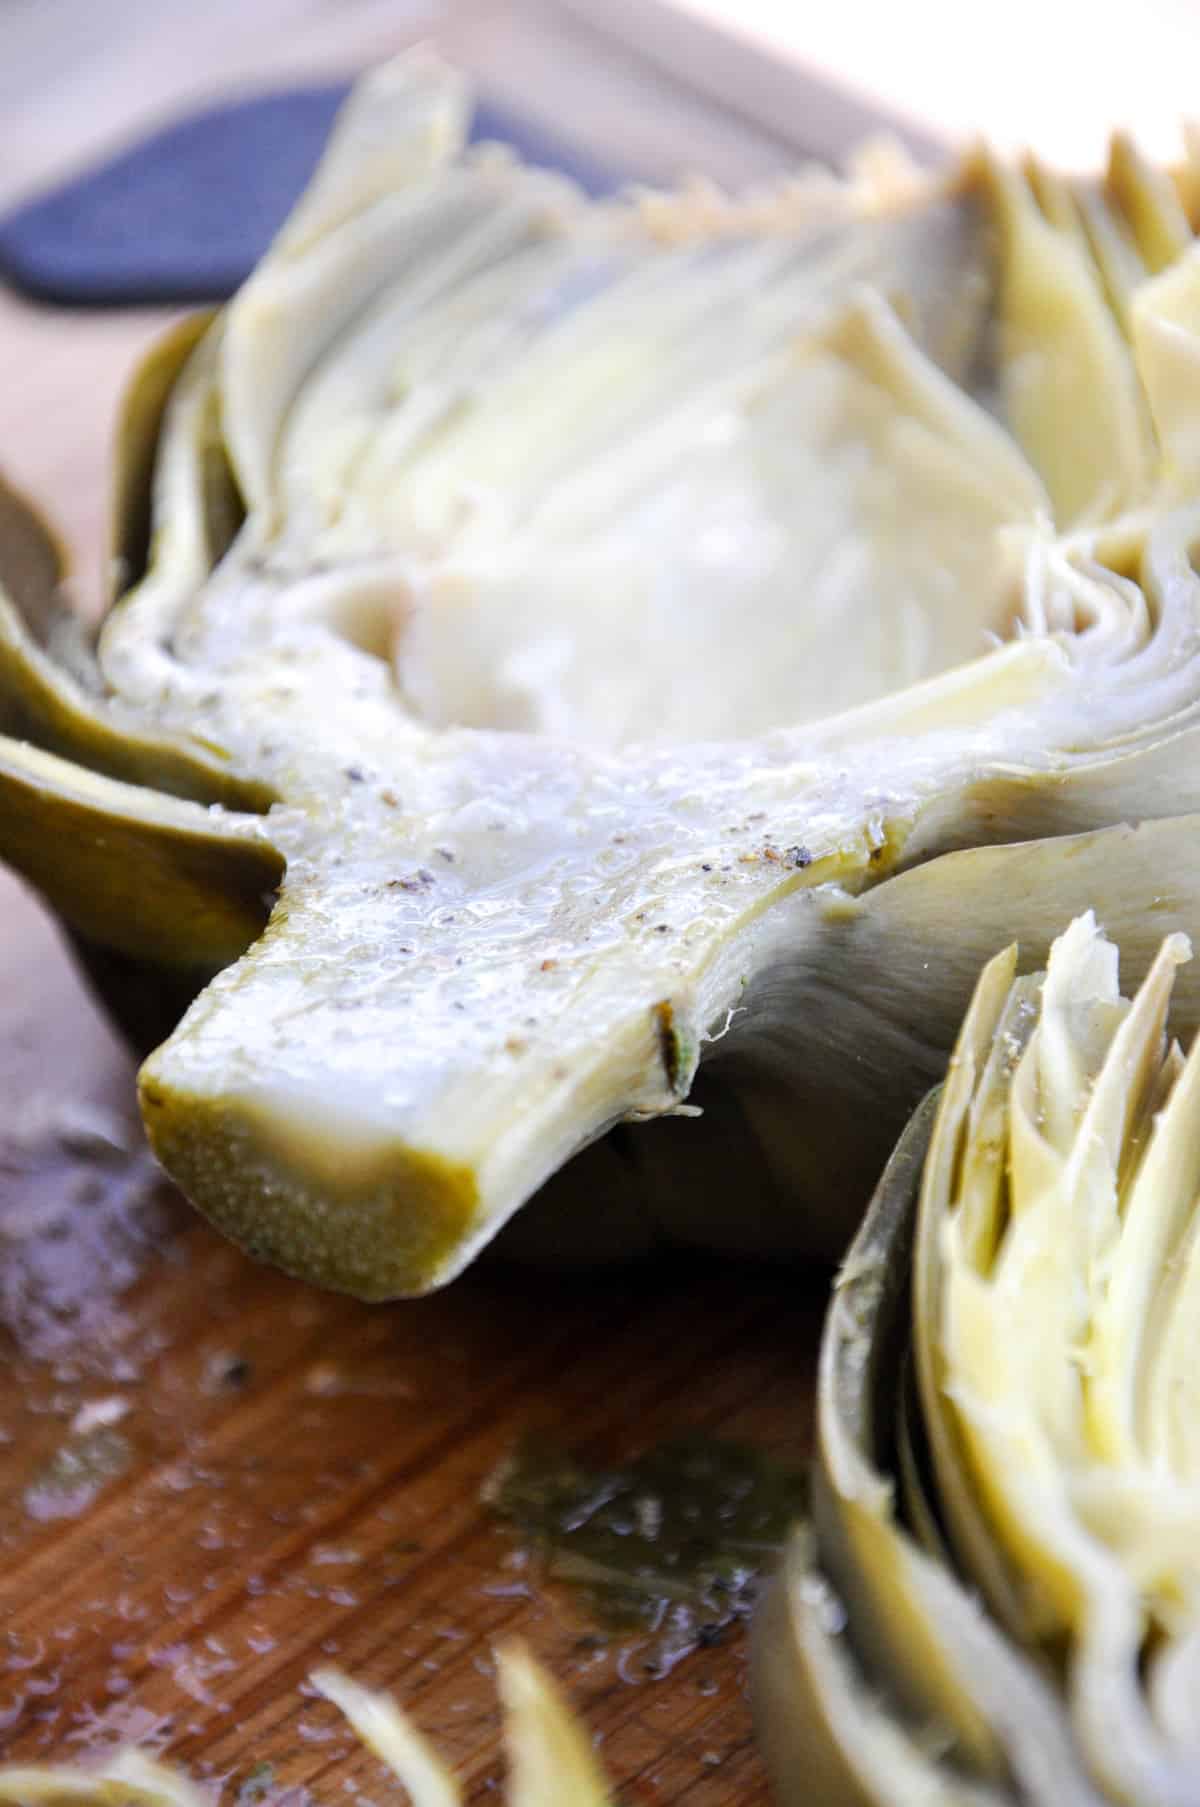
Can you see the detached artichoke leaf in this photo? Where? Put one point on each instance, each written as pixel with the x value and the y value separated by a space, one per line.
pixel 128 1776
pixel 550 1758
pixel 556 773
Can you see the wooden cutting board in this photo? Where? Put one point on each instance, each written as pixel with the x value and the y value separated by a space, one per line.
pixel 213 1479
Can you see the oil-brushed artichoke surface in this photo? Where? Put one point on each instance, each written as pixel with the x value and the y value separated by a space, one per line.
pixel 565 643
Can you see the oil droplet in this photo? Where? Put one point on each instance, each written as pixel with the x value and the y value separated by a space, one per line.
pixel 76 1474
pixel 671 1546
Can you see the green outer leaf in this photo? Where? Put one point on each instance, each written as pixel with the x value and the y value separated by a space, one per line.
pixel 876 1676
pixel 924 1642
pixel 876 987
pixel 150 876
pixel 135 450
pixel 862 1348
pixel 824 1732
pixel 43 703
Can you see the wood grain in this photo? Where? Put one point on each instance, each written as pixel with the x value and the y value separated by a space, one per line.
pixel 295 1478
pixel 304 1486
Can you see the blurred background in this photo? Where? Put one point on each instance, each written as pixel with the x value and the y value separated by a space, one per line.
pixel 648 89
pixel 1058 73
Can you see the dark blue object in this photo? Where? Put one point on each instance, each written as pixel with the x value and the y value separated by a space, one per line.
pixel 186 214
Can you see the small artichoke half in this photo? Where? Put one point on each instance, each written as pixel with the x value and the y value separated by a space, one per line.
pixel 999 1598
pixel 563 643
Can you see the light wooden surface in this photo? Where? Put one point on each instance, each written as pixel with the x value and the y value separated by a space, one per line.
pixel 296 1478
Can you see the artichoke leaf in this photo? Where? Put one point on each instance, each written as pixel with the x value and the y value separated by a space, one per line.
pixel 135 446
pixel 841 1038
pixel 155 898
pixel 916 1501
pixel 876 1575
pixel 824 1731
pixel 926 1646
pixel 150 876
pixel 1165 324
pixel 1147 198
pixel 129 1776
pixel 52 694
pixel 388 1733
pixel 1055 1261
pixel 163 868
pixel 1066 386
pixel 550 1758
pixel 1053 1323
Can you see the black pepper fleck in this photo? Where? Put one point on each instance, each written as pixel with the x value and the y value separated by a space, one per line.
pixel 414 881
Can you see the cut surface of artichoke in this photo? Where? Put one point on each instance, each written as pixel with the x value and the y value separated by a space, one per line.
pixel 622 591
pixel 1011 1554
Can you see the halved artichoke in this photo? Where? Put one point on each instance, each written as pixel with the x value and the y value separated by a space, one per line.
pixel 572 623
pixel 999 1600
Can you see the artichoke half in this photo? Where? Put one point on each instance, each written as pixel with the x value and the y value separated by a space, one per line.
pixel 563 642
pixel 1000 1597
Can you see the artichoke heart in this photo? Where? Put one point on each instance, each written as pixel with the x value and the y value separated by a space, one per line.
pixel 605 637
pixel 1009 1405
